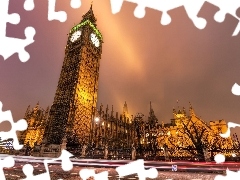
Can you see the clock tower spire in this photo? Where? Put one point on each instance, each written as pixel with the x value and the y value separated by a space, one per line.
pixel 89 16
pixel 74 106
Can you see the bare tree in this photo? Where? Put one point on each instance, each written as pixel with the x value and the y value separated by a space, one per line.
pixel 190 135
pixel 197 131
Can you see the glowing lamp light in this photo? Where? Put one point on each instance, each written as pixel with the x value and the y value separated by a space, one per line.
pixel 97 119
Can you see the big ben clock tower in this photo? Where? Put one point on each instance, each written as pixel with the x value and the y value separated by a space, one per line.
pixel 72 111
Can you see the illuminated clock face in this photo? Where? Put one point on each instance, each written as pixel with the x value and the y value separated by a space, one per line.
pixel 95 40
pixel 75 36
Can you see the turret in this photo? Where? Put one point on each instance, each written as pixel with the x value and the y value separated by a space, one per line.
pixel 125 109
pixel 36 108
pixel 191 111
pixel 107 110
pixel 152 119
pixel 89 16
pixel 112 111
pixel 27 112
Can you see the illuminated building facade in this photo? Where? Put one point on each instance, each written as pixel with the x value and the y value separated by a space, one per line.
pixel 36 119
pixel 218 126
pixel 75 100
pixel 187 134
pixel 113 129
pixel 74 118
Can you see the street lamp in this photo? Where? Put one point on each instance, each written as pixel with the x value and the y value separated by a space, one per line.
pixel 97 129
pixel 96 119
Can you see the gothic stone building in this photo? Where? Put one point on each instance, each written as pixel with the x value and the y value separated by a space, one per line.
pixel 188 134
pixel 73 116
pixel 36 118
pixel 116 130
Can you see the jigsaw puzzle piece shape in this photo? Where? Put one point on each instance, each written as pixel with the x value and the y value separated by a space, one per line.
pixel 75 4
pixel 60 15
pixel 8 45
pixel 29 5
pixel 227 7
pixel 20 125
pixel 237 30
pixel 192 8
pixel 229 175
pixel 87 173
pixel 160 5
pixel 137 167
pixel 5 17
pixel 236 89
pixel 228 132
pixel 53 15
pixel 116 6
pixel 7 162
pixel 28 171
pixel 165 6
pixel 67 165
pixel 140 11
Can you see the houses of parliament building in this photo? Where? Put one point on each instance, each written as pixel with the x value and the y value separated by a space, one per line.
pixel 74 119
pixel 73 115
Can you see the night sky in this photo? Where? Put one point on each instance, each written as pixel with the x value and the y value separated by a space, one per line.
pixel 142 61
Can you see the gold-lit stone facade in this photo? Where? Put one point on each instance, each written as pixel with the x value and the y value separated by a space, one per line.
pixel 74 117
pixel 37 120
pixel 113 129
pixel 187 135
pixel 122 130
pixel 75 100
pixel 218 126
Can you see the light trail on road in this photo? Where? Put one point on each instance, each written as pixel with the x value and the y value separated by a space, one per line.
pixel 164 168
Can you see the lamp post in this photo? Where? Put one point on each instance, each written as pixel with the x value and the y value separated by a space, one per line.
pixel 96 129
